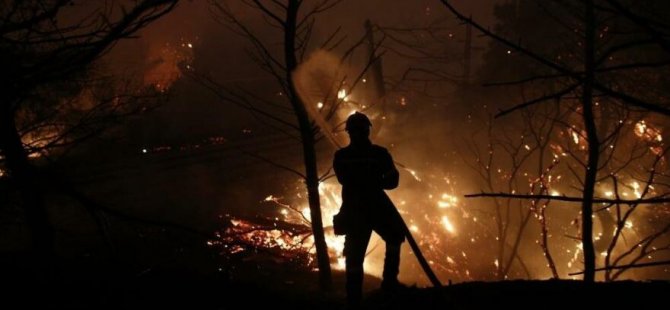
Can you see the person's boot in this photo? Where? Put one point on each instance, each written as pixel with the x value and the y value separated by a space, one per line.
pixel 354 286
pixel 393 286
pixel 390 281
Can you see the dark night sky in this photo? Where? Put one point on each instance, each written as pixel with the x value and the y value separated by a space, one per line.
pixel 192 112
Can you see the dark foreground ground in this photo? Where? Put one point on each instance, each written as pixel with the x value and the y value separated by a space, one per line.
pixel 82 284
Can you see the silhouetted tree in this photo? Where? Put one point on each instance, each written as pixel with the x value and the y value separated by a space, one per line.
pixel 282 57
pixel 606 38
pixel 47 48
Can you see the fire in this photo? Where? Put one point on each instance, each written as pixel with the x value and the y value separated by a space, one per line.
pixel 575 137
pixel 448 228
pixel 629 224
pixel 414 174
pixel 636 189
pixel 578 137
pixel 289 237
pixel 650 134
pixel 342 95
pixel 447 201
pixel 284 241
pixel 447 224
pixel 429 229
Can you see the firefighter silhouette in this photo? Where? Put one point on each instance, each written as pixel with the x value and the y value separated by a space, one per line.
pixel 365 170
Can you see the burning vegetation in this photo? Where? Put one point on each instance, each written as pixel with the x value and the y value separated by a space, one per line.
pixel 527 181
pixel 458 236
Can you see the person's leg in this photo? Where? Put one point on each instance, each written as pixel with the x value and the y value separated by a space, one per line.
pixel 355 245
pixel 391 264
pixel 393 237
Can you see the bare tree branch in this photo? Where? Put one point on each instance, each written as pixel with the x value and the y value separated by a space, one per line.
pixel 654 200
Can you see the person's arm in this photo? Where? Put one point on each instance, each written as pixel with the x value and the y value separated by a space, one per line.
pixel 341 171
pixel 390 175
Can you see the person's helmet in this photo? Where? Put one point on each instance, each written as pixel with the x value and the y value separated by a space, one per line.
pixel 357 120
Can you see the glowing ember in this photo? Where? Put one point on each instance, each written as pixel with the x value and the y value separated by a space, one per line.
pixel 447 201
pixel 448 228
pixel 447 224
pixel 414 174
pixel 650 134
pixel 290 237
pixel 342 94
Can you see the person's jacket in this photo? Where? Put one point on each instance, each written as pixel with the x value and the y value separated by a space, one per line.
pixel 365 172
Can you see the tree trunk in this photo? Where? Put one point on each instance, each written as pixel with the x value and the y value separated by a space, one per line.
pixel 24 178
pixel 593 144
pixel 543 217
pixel 545 243
pixel 323 260
pixel 307 133
pixel 502 238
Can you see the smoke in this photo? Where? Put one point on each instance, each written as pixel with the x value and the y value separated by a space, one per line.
pixel 318 80
pixel 165 63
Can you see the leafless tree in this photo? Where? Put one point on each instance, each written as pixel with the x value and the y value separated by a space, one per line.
pixel 308 113
pixel 47 48
pixel 519 159
pixel 591 75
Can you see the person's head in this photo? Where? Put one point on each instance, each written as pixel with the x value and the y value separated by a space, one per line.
pixel 358 127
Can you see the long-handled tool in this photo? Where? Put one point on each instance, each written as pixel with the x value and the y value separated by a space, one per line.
pixel 419 256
